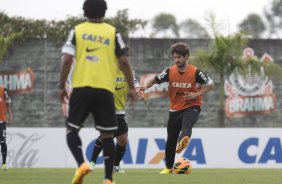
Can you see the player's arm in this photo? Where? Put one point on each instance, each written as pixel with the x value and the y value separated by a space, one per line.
pixel 66 64
pixel 149 83
pixel 8 105
pixel 68 51
pixel 135 80
pixel 205 82
pixel 122 55
pixel 158 79
pixel 136 83
pixel 126 68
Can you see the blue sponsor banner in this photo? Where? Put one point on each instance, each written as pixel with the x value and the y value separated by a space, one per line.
pixel 208 148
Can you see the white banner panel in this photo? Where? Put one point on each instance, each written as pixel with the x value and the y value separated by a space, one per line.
pixel 209 148
pixel 36 147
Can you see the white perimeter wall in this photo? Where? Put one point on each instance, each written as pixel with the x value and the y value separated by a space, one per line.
pixel 209 148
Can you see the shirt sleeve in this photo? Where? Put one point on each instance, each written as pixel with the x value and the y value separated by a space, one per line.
pixel 202 78
pixel 6 96
pixel 163 76
pixel 120 46
pixel 70 44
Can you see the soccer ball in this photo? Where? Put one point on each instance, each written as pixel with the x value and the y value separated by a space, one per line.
pixel 182 166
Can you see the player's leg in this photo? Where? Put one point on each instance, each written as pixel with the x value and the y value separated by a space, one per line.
pixel 173 130
pixel 4 155
pixel 121 134
pixel 108 153
pixel 75 145
pixel 103 111
pixel 3 145
pixel 98 147
pixel 120 151
pixel 78 111
pixel 190 117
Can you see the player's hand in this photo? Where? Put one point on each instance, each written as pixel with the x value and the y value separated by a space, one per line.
pixel 189 95
pixel 62 95
pixel 141 94
pixel 138 92
pixel 132 96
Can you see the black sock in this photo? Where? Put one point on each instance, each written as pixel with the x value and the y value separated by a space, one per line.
pixel 108 150
pixel 75 145
pixel 97 149
pixel 4 152
pixel 120 150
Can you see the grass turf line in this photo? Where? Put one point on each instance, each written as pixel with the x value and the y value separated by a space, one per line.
pixel 143 176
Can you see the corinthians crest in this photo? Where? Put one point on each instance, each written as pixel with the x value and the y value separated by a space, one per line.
pixel 251 93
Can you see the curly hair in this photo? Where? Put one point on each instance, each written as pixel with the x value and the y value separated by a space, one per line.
pixel 94 8
pixel 180 48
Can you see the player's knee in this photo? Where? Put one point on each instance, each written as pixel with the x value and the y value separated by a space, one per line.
pixel 73 139
pixel 72 127
pixel 105 135
pixel 71 133
pixel 122 141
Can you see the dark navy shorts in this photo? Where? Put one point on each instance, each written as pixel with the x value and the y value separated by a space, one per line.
pixel 122 125
pixel 98 102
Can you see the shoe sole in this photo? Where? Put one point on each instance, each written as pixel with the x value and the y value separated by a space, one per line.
pixel 78 178
pixel 170 171
pixel 166 173
pixel 182 145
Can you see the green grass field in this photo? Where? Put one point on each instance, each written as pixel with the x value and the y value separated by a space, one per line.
pixel 144 176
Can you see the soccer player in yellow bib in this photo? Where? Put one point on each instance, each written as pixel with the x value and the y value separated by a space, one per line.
pixel 121 134
pixel 98 49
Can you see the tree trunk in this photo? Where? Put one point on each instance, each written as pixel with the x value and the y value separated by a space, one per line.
pixel 221 111
pixel 221 117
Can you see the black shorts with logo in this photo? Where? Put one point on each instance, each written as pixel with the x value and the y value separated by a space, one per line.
pixel 3 132
pixel 122 125
pixel 98 102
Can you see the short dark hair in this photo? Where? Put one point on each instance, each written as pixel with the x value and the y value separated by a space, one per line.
pixel 180 48
pixel 94 8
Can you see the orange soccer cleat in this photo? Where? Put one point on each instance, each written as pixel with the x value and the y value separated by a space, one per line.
pixel 80 173
pixel 182 144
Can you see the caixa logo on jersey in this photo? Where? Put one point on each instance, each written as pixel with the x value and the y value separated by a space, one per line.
pixel 151 151
pixel 18 82
pixel 251 93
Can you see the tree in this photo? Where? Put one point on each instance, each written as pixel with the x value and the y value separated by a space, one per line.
pixel 165 22
pixel 8 35
pixel 125 25
pixel 18 28
pixel 225 56
pixel 253 24
pixel 193 29
pixel 7 42
pixel 273 14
